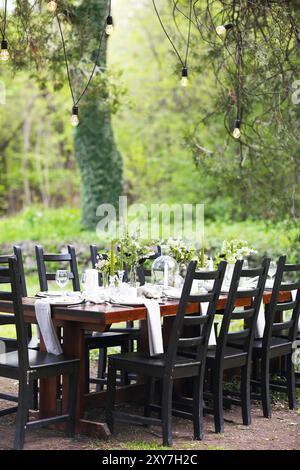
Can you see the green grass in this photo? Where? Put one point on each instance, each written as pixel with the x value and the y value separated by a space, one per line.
pixel 62 225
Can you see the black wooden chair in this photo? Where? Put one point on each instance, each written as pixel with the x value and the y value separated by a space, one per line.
pixel 171 365
pixel 26 365
pixel 225 356
pixel 9 319
pixel 279 338
pixel 100 341
pixel 11 343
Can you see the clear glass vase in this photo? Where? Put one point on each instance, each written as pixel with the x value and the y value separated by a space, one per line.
pixel 164 270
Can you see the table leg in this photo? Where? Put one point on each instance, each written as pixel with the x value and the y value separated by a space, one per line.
pixel 74 346
pixel 48 393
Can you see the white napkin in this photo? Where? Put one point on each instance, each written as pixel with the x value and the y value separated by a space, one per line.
pixel 212 338
pixel 294 295
pixel 154 327
pixel 43 316
pixel 261 322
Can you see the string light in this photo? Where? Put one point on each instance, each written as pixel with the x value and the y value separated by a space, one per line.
pixel 75 117
pixel 184 77
pixel 109 29
pixel 52 6
pixel 109 26
pixel 184 73
pixel 237 129
pixel 4 54
pixel 222 29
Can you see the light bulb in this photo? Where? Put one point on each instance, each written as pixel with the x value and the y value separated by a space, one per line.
pixel 74 117
pixel 109 26
pixel 184 82
pixel 4 54
pixel 223 28
pixel 237 131
pixel 184 77
pixel 52 6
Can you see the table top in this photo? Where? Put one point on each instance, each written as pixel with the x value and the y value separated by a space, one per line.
pixel 104 314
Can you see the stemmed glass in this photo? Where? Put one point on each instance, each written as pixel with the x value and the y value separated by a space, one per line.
pixel 272 270
pixel 62 278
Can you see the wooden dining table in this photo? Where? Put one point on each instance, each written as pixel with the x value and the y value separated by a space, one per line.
pixel 75 321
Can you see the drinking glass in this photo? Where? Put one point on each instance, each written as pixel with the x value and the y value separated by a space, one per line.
pixel 62 278
pixel 272 270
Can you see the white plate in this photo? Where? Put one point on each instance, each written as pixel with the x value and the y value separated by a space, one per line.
pixel 128 301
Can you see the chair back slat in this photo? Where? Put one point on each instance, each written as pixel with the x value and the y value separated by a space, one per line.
pixel 291 267
pixel 245 314
pixel 276 310
pixel 282 307
pixel 15 295
pixel 286 325
pixel 237 335
pixel 206 275
pixel 202 324
pixel 198 320
pixel 5 296
pixel 252 272
pixel 289 286
pixel 248 315
pixel 190 342
pixel 45 276
pixel 247 294
pixel 201 298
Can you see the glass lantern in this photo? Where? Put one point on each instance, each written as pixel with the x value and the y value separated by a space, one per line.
pixel 164 270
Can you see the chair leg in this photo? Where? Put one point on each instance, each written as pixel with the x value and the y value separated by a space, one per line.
pixel 245 395
pixel 22 414
pixel 291 382
pixel 34 394
pixel 87 370
pixel 111 392
pixel 218 401
pixel 167 392
pixel 124 374
pixel 73 385
pixel 198 406
pixel 150 388
pixel 102 362
pixel 265 388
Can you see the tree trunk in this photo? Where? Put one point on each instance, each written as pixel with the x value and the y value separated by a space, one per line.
pixel 98 159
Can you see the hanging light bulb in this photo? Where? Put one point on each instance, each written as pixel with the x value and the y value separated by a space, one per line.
pixel 184 77
pixel 74 117
pixel 4 54
pixel 109 26
pixel 222 29
pixel 52 6
pixel 237 131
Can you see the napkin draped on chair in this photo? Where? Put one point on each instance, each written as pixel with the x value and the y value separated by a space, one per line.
pixel 48 332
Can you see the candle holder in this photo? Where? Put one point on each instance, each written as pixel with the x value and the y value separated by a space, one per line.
pixel 164 270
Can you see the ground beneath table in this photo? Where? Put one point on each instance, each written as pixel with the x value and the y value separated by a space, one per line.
pixel 282 432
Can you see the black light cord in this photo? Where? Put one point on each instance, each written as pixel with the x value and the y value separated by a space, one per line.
pixel 189 34
pixel 167 34
pixel 75 102
pixel 3 29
